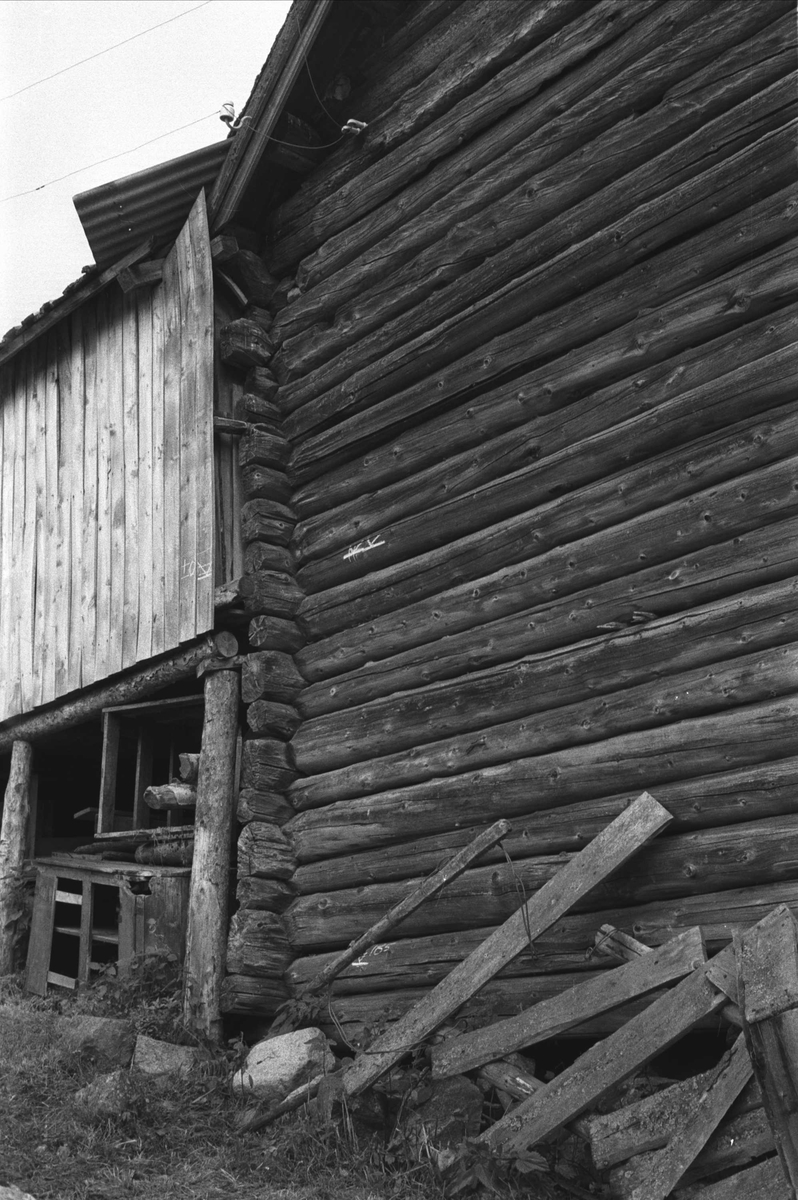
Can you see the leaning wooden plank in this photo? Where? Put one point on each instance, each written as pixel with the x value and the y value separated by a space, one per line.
pixel 764 1181
pixel 698 1122
pixel 618 842
pixel 649 1124
pixel 430 887
pixel 607 1064
pixel 676 958
pixel 767 962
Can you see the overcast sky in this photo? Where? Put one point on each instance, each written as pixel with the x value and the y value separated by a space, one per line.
pixel 177 74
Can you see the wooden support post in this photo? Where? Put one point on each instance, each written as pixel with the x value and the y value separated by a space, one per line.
pixel 207 913
pixel 13 841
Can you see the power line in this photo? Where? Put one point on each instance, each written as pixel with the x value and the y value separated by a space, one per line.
pixel 99 53
pixel 110 158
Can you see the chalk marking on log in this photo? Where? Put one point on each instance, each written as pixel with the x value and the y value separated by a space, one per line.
pixel 372 542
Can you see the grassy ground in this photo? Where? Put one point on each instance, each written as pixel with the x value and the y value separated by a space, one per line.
pixel 180 1140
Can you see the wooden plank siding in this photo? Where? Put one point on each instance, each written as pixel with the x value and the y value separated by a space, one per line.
pixel 106 499
pixel 540 390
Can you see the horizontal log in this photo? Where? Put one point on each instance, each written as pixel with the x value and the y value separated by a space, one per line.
pixel 248 995
pixel 268 592
pixel 659 701
pixel 262 770
pixel 376 371
pixel 257 945
pixel 495 38
pixel 567 947
pixel 264 483
pixel 166 854
pixel 267 718
pixel 661 47
pixel 725 798
pixel 247 270
pixel 263 806
pixel 709 576
pixel 244 344
pixel 689 749
pixel 264 449
pixel 468 181
pixel 631 165
pixel 713 633
pixel 691 262
pixel 559 421
pixel 268 521
pixel 749 451
pixel 713 515
pixel 174 795
pixel 264 895
pixel 268 632
pixel 256 410
pixel 706 861
pixel 264 556
pixel 265 852
pixel 260 382
pixel 270 675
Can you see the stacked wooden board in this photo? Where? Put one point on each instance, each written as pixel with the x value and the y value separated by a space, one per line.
pixel 535 363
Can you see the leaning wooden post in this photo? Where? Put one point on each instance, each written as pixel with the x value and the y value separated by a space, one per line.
pixel 206 937
pixel 13 840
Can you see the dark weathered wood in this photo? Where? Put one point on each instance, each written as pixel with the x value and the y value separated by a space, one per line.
pixel 145 274
pixel 248 270
pixel 767 963
pixel 659 482
pixel 265 766
pixel 269 632
pixel 453 189
pixel 270 675
pixel 264 895
pixel 265 449
pixel 244 344
pixel 255 805
pixel 270 591
pixel 89 704
pixel 252 995
pixel 743 623
pixel 676 958
pixel 607 1064
pixel 633 163
pixel 724 798
pixel 257 945
pixel 171 854
pixel 207 914
pixel 685 525
pixel 660 701
pixel 561 423
pixel 265 852
pixel 710 860
pixel 764 1181
pixel 13 844
pixel 614 845
pixel 428 888
pixel 268 521
pixel 267 718
pixel 693 261
pixel 708 577
pixel 264 483
pixel 697 314
pixel 420 962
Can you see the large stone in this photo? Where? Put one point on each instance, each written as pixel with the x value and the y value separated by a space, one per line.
pixel 107 1041
pixel 277 1065
pixel 153 1057
pixel 107 1096
pixel 451 1113
pixel 13 1193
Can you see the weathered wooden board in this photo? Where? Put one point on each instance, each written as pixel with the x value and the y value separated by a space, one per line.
pixel 93 478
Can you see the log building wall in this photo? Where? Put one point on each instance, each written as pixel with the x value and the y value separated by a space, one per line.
pixel 106 448
pixel 537 552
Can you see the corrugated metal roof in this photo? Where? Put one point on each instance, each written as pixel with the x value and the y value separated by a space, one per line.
pixel 120 215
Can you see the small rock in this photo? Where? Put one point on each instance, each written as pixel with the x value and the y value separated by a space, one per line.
pixel 13 1193
pixel 277 1065
pixel 153 1057
pixel 107 1096
pixel 107 1041
pixel 452 1112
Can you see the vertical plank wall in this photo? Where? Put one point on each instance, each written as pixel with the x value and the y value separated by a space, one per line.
pixel 106 500
pixel 540 387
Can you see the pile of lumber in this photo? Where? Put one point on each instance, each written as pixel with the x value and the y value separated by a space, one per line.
pixel 730 1132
